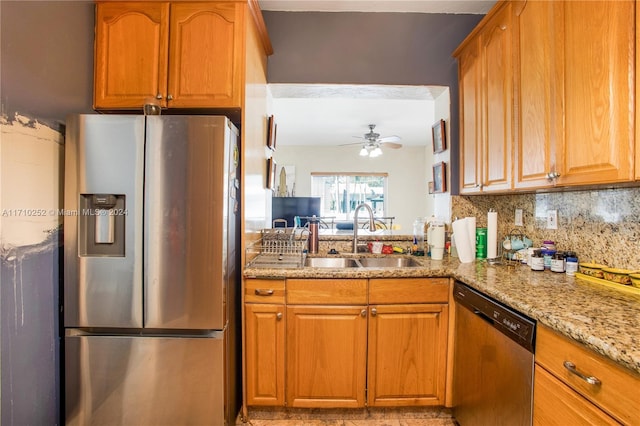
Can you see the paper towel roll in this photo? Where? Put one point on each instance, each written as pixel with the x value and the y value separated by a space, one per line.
pixel 471 229
pixel 464 244
pixel 492 235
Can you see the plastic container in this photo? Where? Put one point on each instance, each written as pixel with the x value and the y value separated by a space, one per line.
pixel 571 263
pixel 549 245
pixel 481 243
pixel 547 255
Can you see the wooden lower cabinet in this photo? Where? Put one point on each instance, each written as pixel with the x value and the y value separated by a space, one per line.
pixel 326 356
pixel 554 403
pixel 563 395
pixel 407 354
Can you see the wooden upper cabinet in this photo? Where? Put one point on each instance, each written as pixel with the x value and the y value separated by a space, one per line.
pixel 205 54
pixel 131 49
pixel 539 115
pixel 598 54
pixel 470 74
pixel 497 75
pixel 177 54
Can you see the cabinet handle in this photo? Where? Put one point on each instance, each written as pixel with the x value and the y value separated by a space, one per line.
pixel 551 176
pixel 363 313
pixel 279 316
pixel 374 312
pixel 263 292
pixel 169 98
pixel 158 96
pixel 589 379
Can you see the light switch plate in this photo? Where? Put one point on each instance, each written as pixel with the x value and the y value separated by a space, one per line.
pixel 518 219
pixel 552 219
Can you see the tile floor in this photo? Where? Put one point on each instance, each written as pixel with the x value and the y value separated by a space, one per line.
pixel 357 417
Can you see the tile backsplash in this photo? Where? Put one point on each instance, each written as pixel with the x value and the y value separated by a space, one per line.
pixel 599 225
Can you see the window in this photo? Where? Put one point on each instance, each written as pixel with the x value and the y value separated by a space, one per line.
pixel 341 193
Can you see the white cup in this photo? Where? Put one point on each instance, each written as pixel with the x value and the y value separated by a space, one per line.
pixel 437 253
pixel 376 247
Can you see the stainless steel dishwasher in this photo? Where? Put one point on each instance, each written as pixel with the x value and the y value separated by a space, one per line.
pixel 493 362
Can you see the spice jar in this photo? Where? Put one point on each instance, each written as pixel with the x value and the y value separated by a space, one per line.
pixel 557 262
pixel 537 261
pixel 571 265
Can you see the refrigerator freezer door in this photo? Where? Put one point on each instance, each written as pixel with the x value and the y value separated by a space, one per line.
pixel 186 222
pixel 123 380
pixel 104 160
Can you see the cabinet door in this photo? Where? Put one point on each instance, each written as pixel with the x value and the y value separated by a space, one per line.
pixel 205 54
pixel 407 354
pixel 497 72
pixel 597 74
pixel 264 352
pixel 554 403
pixel 469 70
pixel 130 54
pixel 326 356
pixel 538 116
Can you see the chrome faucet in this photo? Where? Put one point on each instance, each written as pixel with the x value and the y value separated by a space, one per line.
pixel 372 225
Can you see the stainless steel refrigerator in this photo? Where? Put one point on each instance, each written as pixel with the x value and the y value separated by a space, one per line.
pixel 151 287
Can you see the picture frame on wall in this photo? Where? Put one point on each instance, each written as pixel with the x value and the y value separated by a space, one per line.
pixel 439 137
pixel 439 177
pixel 271 173
pixel 271 132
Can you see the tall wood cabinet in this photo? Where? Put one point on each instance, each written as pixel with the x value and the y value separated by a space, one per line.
pixel 572 98
pixel 174 54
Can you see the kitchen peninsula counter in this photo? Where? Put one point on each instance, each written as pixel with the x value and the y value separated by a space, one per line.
pixel 602 318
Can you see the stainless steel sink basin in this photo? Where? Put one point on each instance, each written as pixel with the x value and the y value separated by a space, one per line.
pixel 331 262
pixel 388 262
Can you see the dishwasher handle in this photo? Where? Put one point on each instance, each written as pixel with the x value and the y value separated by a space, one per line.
pixel 484 316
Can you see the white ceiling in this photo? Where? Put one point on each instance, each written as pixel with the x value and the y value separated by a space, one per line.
pixel 331 115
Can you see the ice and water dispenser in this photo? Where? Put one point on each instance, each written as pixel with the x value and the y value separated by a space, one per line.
pixel 102 225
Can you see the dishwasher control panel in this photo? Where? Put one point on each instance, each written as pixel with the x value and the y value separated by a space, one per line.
pixel 513 324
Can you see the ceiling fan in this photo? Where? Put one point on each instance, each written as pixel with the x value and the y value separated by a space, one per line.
pixel 372 142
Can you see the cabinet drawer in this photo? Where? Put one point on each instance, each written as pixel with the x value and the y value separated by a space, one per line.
pixel 264 291
pixel 616 394
pixel 409 290
pixel 329 291
pixel 554 403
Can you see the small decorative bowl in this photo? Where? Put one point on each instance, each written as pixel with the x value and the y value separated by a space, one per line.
pixel 635 279
pixel 620 276
pixel 591 269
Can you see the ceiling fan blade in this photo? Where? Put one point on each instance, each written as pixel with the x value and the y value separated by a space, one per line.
pixel 354 143
pixel 392 145
pixel 392 138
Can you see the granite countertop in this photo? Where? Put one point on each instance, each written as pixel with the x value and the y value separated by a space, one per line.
pixel 602 318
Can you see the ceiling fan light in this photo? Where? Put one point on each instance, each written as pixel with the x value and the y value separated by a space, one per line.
pixel 376 152
pixel 364 152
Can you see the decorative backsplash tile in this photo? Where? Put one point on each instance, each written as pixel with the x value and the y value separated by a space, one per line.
pixel 599 225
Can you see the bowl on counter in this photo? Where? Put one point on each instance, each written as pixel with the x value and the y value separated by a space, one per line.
pixel 619 276
pixel 591 269
pixel 635 279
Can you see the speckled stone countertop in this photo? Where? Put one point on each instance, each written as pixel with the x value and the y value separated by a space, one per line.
pixel 601 318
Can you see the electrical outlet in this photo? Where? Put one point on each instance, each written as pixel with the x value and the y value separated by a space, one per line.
pixel 518 219
pixel 552 219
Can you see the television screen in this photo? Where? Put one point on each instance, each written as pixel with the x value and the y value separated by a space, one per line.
pixel 288 207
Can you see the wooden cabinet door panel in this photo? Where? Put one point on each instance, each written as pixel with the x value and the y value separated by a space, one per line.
pixel 407 354
pixel 206 40
pixel 326 356
pixel 264 352
pixel 130 53
pixel 539 113
pixel 598 51
pixel 497 101
pixel 470 116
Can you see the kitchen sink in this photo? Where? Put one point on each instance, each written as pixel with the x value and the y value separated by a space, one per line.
pixel 331 262
pixel 388 262
pixel 362 262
